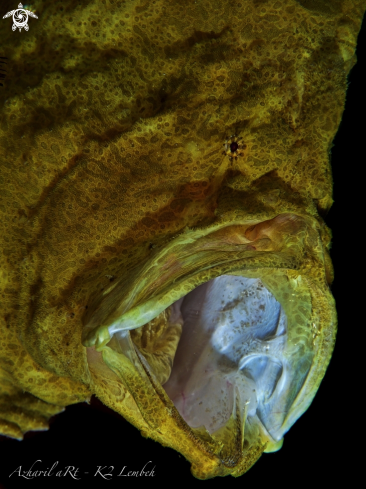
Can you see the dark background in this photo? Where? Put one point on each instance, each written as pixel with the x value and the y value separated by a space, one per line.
pixel 322 446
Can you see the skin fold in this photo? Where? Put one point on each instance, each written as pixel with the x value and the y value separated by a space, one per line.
pixel 119 195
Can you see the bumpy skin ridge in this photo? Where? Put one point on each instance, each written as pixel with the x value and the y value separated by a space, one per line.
pixel 114 116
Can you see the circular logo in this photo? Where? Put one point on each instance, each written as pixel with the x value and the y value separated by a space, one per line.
pixel 20 19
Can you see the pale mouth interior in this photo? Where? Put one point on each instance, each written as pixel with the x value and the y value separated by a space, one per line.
pixel 232 349
pixel 231 352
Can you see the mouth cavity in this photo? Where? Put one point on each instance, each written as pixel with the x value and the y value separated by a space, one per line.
pixel 226 347
pixel 222 329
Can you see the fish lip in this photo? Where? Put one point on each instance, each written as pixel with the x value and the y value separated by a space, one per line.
pixel 113 309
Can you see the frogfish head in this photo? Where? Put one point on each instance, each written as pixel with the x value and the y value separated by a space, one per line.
pixel 164 181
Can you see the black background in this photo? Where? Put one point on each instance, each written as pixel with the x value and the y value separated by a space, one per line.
pixel 321 448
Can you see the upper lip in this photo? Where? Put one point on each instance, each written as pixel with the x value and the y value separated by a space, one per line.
pixel 191 258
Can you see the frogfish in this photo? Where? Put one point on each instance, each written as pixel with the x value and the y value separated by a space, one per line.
pixel 165 178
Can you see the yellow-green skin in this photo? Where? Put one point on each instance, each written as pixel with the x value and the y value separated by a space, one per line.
pixel 116 195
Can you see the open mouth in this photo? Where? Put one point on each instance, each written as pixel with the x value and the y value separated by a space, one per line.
pixel 233 346
pixel 221 329
pixel 223 348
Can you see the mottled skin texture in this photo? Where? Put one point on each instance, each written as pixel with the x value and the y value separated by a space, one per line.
pixel 112 125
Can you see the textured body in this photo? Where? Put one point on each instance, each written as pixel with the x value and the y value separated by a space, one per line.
pixel 112 128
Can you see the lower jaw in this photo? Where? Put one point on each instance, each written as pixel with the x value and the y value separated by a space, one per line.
pixel 310 333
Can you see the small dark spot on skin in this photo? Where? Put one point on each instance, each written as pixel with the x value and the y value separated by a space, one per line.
pixel 72 315
pixel 111 279
pixel 233 147
pixel 86 307
pixel 151 246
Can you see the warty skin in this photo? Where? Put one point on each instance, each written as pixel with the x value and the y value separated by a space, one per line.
pixel 117 198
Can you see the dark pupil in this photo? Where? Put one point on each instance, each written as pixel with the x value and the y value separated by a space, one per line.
pixel 233 147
